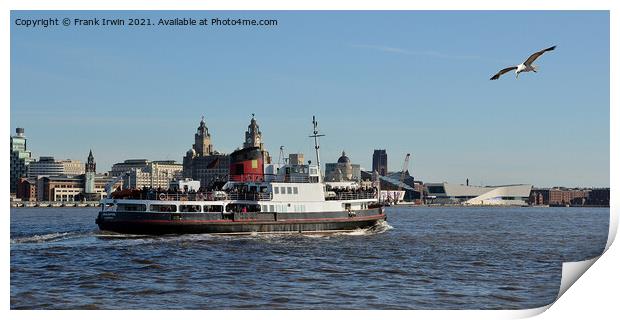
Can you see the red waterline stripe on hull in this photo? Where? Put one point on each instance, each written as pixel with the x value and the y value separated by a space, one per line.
pixel 249 221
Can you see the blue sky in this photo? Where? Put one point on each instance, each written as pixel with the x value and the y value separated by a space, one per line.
pixel 408 82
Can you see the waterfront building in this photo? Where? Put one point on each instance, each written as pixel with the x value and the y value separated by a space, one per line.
pixel 379 162
pixel 203 163
pixel 559 196
pixel 446 193
pixel 254 138
pixel 342 170
pixel 48 166
pixel 120 168
pixel 72 188
pixel 144 173
pixel 89 178
pixel 20 158
pixel 27 189
pixel 62 188
pixel 598 197
pixel 392 189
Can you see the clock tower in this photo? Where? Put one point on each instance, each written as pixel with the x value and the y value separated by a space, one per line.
pixel 253 137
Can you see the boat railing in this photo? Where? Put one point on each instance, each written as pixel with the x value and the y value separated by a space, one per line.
pixel 201 196
pixel 252 196
pixel 167 196
pixel 352 195
pixel 292 178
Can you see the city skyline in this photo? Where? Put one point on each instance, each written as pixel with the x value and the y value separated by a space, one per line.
pixel 381 86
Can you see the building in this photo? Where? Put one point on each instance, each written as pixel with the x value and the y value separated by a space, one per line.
pixel 27 189
pixel 445 193
pixel 72 188
pixel 296 159
pixel 120 168
pixel 47 166
pixel 90 171
pixel 559 196
pixel 144 173
pixel 598 197
pixel 20 158
pixel 342 170
pixel 379 162
pixel 66 188
pixel 203 163
pixel 254 139
pixel 393 189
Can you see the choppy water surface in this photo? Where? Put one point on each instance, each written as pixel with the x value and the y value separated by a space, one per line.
pixel 426 258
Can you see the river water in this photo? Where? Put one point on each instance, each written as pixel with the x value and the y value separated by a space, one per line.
pixel 422 258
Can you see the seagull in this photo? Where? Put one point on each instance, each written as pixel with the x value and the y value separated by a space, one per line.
pixel 525 66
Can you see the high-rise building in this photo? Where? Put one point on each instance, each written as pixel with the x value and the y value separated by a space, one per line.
pixel 379 162
pixel 20 158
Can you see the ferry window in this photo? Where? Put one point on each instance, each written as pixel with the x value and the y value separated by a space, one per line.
pixel 189 208
pixel 131 207
pixel 163 208
pixel 289 190
pixel 283 190
pixel 271 209
pixel 212 208
pixel 276 190
pixel 295 190
pixel 264 208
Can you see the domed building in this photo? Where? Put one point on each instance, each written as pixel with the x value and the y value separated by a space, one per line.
pixel 343 170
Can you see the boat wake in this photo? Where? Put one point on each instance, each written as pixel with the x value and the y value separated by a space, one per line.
pixel 378 228
pixel 48 237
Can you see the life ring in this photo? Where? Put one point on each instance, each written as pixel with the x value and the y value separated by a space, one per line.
pixel 162 196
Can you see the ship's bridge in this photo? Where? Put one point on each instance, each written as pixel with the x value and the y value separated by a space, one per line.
pixel 295 173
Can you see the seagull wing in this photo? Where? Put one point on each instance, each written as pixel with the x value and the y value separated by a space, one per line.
pixel 496 76
pixel 535 56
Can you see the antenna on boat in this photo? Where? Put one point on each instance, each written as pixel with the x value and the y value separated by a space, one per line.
pixel 316 136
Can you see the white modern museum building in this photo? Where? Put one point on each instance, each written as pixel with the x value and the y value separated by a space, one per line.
pixel 508 195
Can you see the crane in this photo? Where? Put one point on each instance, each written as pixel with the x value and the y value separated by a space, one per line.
pixel 402 173
pixel 405 168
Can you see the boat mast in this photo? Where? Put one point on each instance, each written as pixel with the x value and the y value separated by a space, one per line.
pixel 316 136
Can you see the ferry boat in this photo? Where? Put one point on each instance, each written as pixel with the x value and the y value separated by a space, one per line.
pixel 258 198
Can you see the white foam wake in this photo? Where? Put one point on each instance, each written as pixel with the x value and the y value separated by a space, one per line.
pixel 48 237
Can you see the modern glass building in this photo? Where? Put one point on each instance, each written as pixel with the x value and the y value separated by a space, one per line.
pixel 20 158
